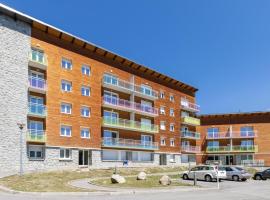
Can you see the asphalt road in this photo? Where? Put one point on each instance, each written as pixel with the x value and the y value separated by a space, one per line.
pixel 250 190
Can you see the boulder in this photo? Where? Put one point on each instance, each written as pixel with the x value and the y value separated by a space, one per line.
pixel 165 180
pixel 116 178
pixel 141 176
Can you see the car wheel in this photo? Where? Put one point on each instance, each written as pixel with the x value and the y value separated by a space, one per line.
pixel 208 178
pixel 243 179
pixel 258 177
pixel 185 177
pixel 235 178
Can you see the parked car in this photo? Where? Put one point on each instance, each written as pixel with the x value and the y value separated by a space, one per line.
pixel 263 175
pixel 236 173
pixel 205 172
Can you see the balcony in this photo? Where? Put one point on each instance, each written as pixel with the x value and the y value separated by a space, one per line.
pixel 36 136
pixel 190 135
pixel 129 106
pixel 232 149
pixel 127 87
pixel 231 135
pixel 38 59
pixel 192 107
pixel 191 121
pixel 37 84
pixel 129 125
pixel 191 149
pixel 129 144
pixel 37 110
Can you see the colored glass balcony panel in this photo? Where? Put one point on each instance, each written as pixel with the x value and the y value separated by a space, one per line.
pixel 192 107
pixel 191 149
pixel 37 110
pixel 224 149
pixel 38 59
pixel 190 135
pixel 191 121
pixel 37 84
pixel 36 136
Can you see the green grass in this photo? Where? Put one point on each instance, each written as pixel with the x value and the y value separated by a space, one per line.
pixel 57 181
pixel 132 182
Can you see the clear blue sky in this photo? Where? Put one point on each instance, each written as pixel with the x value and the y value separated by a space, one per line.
pixel 221 47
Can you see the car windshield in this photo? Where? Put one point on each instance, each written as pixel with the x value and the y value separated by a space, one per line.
pixel 239 168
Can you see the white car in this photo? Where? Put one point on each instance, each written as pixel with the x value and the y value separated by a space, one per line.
pixel 205 172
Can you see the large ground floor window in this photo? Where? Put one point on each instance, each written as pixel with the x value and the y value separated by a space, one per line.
pixel 135 156
pixel 187 158
pixel 36 152
pixel 230 159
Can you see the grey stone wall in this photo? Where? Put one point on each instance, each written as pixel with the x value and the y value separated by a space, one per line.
pixel 14 49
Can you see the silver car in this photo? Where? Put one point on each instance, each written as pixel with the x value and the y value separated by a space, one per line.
pixel 205 172
pixel 236 173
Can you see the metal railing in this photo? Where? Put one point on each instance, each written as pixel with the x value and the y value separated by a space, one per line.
pixel 190 134
pixel 192 149
pixel 129 143
pixel 129 105
pixel 37 109
pixel 37 83
pixel 190 106
pixel 38 57
pixel 252 163
pixel 129 124
pixel 238 148
pixel 36 135
pixel 233 134
pixel 107 79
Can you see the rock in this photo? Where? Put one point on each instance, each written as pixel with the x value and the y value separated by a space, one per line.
pixel 116 178
pixel 141 176
pixel 165 180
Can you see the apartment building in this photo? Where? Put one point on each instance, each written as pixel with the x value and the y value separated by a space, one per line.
pixel 84 106
pixel 237 138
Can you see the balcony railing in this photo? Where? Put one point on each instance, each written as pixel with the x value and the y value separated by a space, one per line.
pixel 129 87
pixel 129 125
pixel 190 135
pixel 231 135
pixel 129 143
pixel 128 105
pixel 37 83
pixel 222 149
pixel 36 136
pixel 191 121
pixel 191 149
pixel 37 109
pixel 186 105
pixel 38 59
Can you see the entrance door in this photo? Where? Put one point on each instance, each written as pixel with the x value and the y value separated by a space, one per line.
pixel 163 159
pixel 83 157
pixel 229 160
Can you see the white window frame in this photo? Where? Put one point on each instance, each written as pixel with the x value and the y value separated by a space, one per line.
pixel 65 135
pixel 162 141
pixel 65 154
pixel 171 112
pixel 66 67
pixel 85 128
pixel 66 83
pixel 171 97
pixel 85 88
pixel 35 157
pixel 83 112
pixel 172 127
pixel 162 110
pixel 162 123
pixel 84 70
pixel 66 104
pixel 172 142
pixel 162 94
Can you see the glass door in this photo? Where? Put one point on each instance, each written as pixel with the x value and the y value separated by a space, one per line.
pixel 37 79
pixel 146 140
pixel 36 105
pixel 35 129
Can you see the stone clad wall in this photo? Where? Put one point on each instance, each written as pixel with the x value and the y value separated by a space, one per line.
pixel 14 50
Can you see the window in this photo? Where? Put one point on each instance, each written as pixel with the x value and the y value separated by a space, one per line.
pixel 171 98
pixel 213 144
pixel 172 127
pixel 162 110
pixel 162 125
pixel 35 152
pixel 66 108
pixel 85 91
pixel 85 133
pixel 110 79
pixel 247 131
pixel 110 134
pixel 66 131
pixel 145 89
pixel 109 155
pixel 85 111
pixel 146 139
pixel 171 112
pixel 162 95
pixel 162 142
pixel 172 157
pixel 212 132
pixel 172 142
pixel 86 70
pixel 66 64
pixel 66 86
pixel 65 154
pixel 246 143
